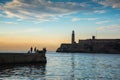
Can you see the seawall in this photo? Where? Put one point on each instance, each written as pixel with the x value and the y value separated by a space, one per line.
pixel 22 58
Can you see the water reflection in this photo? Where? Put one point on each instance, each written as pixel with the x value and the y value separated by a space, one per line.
pixel 73 66
pixel 67 67
pixel 83 66
pixel 22 71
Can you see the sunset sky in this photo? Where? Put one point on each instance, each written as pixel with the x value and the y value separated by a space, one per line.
pixel 48 23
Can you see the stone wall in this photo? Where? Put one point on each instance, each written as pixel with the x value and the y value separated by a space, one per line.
pixel 93 46
pixel 22 57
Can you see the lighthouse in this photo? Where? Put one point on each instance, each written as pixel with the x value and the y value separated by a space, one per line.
pixel 73 37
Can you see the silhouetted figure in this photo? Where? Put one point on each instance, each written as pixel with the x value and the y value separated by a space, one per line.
pixel 35 49
pixel 44 50
pixel 31 49
pixel 41 51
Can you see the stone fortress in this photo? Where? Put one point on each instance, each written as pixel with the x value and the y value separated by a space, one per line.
pixel 91 45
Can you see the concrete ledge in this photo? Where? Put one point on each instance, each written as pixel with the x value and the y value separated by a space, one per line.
pixel 22 58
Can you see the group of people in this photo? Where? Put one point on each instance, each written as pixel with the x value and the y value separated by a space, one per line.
pixel 31 50
pixel 36 50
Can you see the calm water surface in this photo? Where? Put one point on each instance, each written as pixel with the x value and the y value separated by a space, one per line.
pixel 59 66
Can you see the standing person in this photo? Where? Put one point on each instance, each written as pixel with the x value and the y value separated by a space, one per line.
pixel 31 49
pixel 35 49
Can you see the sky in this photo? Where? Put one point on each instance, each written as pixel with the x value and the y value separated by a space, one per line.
pixel 48 23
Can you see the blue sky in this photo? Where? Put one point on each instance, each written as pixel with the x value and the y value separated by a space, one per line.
pixel 50 22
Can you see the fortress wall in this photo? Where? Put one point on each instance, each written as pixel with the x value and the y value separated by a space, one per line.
pixel 92 46
pixel 101 41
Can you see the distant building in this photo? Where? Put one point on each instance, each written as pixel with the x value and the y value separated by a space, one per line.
pixel 91 45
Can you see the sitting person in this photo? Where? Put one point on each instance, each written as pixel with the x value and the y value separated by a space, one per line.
pixel 28 51
pixel 44 50
pixel 35 49
pixel 41 51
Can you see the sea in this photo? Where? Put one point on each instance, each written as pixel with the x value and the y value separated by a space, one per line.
pixel 66 66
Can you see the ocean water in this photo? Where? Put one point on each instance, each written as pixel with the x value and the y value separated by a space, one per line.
pixel 66 66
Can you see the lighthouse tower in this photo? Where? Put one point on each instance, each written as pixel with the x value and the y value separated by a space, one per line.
pixel 73 37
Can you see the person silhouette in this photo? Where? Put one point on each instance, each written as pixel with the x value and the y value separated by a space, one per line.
pixel 31 49
pixel 35 49
pixel 44 50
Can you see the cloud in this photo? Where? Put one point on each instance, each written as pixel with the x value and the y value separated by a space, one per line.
pixel 84 4
pixel 22 31
pixel 8 22
pixel 33 30
pixel 0 15
pixel 40 10
pixel 75 19
pixel 100 11
pixel 115 27
pixel 19 20
pixel 78 19
pixel 102 22
pixel 106 3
